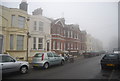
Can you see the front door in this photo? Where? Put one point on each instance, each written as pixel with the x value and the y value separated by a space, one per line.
pixel 47 46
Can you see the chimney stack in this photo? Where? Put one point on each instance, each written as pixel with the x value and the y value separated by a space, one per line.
pixel 23 5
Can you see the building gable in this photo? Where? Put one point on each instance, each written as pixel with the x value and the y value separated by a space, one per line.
pixel 59 22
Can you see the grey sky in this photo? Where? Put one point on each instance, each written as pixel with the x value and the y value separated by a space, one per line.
pixel 100 19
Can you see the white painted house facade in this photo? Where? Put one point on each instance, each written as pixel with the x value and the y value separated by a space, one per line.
pixel 40 37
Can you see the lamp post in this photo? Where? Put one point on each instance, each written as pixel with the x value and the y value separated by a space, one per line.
pixel 28 36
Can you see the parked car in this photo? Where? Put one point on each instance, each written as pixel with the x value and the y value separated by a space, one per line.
pixel 9 64
pixel 46 59
pixel 110 61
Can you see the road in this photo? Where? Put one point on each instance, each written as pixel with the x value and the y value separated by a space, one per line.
pixel 87 68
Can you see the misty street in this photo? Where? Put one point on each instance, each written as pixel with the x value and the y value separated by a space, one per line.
pixel 60 39
pixel 83 68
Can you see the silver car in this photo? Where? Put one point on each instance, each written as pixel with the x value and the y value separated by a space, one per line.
pixel 9 64
pixel 46 59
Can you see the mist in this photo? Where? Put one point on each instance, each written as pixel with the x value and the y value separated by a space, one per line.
pixel 100 19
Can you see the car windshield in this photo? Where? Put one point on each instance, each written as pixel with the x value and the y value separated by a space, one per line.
pixel 111 56
pixel 38 55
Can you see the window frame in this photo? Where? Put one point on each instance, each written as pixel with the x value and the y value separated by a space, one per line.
pixel 40 43
pixel 35 25
pixel 11 41
pixel 20 40
pixel 13 20
pixel 34 42
pixel 21 23
pixel 41 24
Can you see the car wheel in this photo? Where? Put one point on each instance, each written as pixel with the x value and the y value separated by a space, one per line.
pixel 62 62
pixel 23 69
pixel 46 66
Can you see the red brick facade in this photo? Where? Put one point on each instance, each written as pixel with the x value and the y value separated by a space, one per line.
pixel 66 38
pixel 57 32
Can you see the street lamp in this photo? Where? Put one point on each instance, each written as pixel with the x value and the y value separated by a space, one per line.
pixel 28 36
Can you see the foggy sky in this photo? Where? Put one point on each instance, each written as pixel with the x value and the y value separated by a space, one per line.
pixel 100 19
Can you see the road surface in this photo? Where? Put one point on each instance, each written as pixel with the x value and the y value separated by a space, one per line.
pixel 87 68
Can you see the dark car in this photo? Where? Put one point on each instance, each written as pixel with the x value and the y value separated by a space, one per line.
pixel 110 61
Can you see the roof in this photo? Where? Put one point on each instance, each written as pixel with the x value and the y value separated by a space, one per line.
pixel 73 27
pixel 61 20
pixel 51 19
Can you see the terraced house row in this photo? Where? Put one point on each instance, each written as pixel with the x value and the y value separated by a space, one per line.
pixel 67 38
pixel 23 34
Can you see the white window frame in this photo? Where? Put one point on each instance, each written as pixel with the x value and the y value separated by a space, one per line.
pixel 35 25
pixel 64 46
pixel 64 33
pixel 13 21
pixel 41 24
pixel 21 21
pixel 40 43
pixel 68 46
pixel 71 45
pixel 20 44
pixel 77 36
pixel 68 34
pixel 11 41
pixel 61 45
pixel 71 34
pixel 54 45
pixel 58 45
pixel 34 42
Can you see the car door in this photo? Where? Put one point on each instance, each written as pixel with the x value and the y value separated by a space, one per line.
pixel 57 58
pixel 51 58
pixel 9 64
